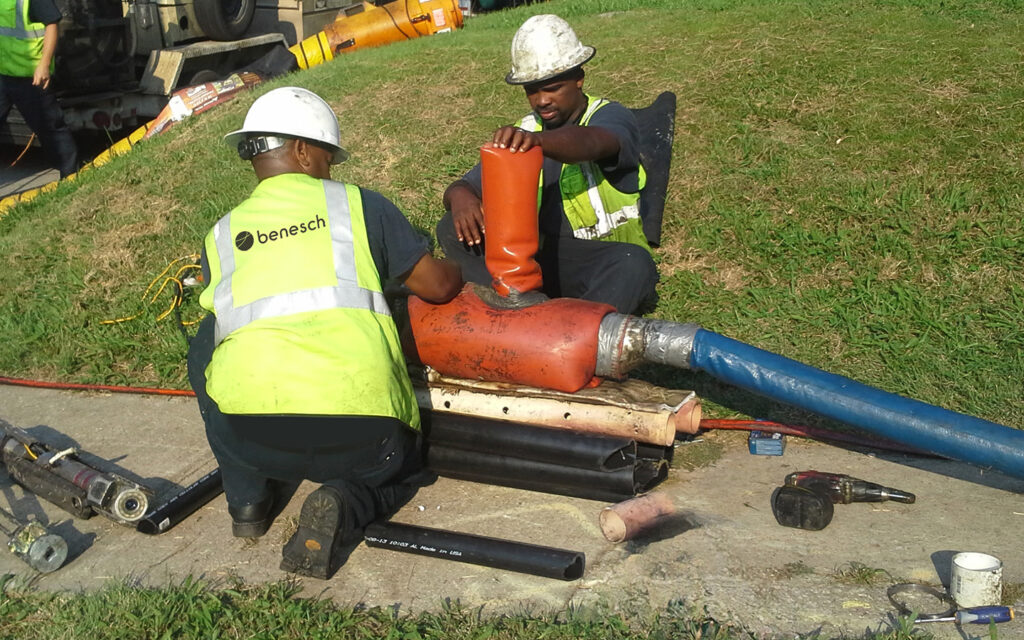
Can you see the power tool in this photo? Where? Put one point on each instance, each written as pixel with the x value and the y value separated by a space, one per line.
pixel 843 489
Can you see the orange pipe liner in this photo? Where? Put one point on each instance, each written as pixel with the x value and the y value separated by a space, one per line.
pixel 509 183
pixel 378 25
pixel 551 345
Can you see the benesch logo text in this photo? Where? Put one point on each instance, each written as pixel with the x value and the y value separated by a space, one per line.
pixel 244 239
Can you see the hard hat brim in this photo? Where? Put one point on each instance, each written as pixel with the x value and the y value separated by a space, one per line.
pixel 586 54
pixel 235 137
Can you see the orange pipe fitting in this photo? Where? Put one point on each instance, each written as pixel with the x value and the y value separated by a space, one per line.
pixel 510 218
pixel 552 345
pixel 626 520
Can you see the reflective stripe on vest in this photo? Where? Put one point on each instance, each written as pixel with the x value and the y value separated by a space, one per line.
pixel 604 222
pixel 347 294
pixel 21 41
pixel 22 29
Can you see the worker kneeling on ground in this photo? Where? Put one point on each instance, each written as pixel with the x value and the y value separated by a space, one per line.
pixel 592 240
pixel 299 372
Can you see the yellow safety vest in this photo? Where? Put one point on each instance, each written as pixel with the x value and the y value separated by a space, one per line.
pixel 595 209
pixel 21 41
pixel 302 323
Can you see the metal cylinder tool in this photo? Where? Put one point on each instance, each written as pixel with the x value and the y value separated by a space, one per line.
pixel 32 542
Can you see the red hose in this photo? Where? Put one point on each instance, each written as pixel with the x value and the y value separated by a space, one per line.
pixel 38 384
pixel 808 432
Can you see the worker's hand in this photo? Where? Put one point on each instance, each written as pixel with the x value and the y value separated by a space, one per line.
pixel 41 77
pixel 467 214
pixel 515 139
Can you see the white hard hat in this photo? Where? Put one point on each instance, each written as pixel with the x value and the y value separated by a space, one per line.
pixel 291 112
pixel 544 47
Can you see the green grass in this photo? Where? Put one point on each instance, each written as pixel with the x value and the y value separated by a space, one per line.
pixel 195 609
pixel 844 191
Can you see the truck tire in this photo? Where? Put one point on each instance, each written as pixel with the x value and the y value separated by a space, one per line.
pixel 224 19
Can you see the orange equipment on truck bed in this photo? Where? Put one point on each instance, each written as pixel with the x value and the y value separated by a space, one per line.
pixel 377 25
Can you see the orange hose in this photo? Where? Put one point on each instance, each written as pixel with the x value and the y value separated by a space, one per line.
pixel 39 384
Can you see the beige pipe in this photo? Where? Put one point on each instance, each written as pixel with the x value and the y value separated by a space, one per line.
pixel 626 520
pixel 611 409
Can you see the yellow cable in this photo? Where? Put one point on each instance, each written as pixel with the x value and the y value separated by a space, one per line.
pixel 32 455
pixel 178 296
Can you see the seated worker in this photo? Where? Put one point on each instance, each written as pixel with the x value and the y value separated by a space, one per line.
pixel 298 372
pixel 592 241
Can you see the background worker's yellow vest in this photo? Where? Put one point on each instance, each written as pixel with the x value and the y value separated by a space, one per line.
pixel 21 41
pixel 302 323
pixel 596 210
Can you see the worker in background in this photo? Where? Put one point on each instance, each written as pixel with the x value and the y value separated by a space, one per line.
pixel 28 39
pixel 299 373
pixel 592 241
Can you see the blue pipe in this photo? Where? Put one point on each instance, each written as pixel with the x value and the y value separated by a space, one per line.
pixel 923 426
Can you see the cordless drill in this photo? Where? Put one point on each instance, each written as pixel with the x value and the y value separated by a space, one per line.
pixel 842 489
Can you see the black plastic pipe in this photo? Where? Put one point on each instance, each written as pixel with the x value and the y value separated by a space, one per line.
pixel 547 562
pixel 182 504
pixel 519 440
pixel 593 484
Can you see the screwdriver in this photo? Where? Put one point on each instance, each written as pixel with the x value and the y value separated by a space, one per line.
pixel 976 615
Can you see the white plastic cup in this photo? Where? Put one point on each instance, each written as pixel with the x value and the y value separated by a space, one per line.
pixel 976 580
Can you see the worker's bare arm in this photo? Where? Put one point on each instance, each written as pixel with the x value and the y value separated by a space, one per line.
pixel 41 75
pixel 467 211
pixel 568 144
pixel 434 280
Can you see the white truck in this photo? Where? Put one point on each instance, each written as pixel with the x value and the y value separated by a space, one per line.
pixel 117 61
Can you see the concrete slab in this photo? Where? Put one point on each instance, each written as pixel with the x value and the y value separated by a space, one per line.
pixel 30 172
pixel 724 551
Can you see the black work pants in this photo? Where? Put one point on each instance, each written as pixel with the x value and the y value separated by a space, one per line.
pixel 43 115
pixel 616 273
pixel 370 459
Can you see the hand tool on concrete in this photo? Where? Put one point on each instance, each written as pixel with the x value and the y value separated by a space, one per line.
pixel 43 551
pixel 842 489
pixel 801 508
pixel 975 615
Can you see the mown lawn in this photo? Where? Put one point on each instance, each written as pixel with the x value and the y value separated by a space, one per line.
pixel 845 190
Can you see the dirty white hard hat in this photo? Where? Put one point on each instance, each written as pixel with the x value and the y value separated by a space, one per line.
pixel 544 47
pixel 290 112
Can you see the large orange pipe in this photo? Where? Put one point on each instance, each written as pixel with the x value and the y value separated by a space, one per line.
pixel 377 25
pixel 552 345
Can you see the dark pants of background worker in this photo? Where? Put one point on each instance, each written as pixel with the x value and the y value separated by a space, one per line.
pixel 616 273
pixel 372 461
pixel 41 112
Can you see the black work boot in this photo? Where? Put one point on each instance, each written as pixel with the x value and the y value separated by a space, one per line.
pixel 251 520
pixel 312 549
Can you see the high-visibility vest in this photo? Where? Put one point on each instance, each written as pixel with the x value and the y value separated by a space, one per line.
pixel 21 41
pixel 302 323
pixel 595 209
